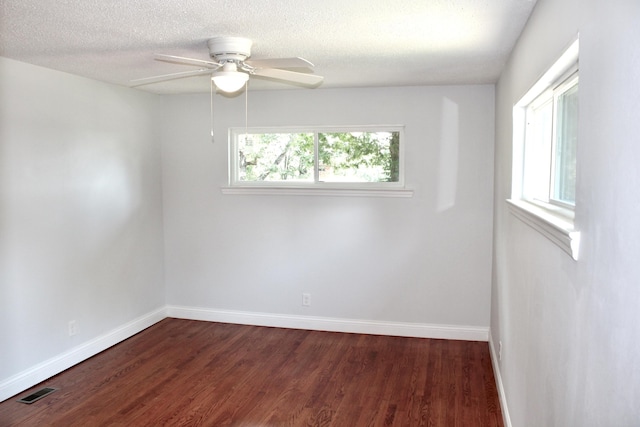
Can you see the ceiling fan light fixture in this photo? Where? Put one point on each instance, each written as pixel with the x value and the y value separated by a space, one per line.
pixel 230 81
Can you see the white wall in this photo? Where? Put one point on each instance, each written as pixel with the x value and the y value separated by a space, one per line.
pixel 424 260
pixel 80 214
pixel 571 330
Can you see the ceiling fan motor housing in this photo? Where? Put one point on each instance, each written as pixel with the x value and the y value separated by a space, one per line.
pixel 224 49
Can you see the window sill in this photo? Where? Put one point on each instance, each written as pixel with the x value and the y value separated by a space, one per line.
pixel 558 229
pixel 330 192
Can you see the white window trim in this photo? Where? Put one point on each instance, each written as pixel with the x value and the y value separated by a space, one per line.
pixel 339 189
pixel 552 221
pixel 306 191
pixel 551 225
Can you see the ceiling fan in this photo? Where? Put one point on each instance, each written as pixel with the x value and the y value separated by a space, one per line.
pixel 230 67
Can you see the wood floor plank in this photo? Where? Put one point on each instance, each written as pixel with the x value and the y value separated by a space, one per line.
pixel 190 373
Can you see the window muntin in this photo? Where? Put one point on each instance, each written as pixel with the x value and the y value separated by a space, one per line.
pixel 358 157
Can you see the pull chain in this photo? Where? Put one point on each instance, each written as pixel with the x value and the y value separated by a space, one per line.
pixel 213 140
pixel 246 112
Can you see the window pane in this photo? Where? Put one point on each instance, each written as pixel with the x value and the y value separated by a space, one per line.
pixel 275 157
pixel 359 156
pixel 564 174
pixel 538 152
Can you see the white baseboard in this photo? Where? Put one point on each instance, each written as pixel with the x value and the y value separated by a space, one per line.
pixel 496 373
pixel 419 330
pixel 40 372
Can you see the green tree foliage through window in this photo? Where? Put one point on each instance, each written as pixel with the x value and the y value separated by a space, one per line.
pixel 341 157
pixel 276 157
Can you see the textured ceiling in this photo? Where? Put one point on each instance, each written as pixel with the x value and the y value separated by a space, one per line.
pixel 353 43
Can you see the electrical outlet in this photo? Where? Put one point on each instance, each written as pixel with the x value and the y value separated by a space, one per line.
pixel 73 328
pixel 499 351
pixel 306 299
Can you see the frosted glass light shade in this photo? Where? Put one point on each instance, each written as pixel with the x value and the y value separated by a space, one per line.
pixel 230 81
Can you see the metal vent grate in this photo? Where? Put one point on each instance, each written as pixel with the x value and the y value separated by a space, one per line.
pixel 37 395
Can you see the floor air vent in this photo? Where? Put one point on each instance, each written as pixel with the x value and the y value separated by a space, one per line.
pixel 37 395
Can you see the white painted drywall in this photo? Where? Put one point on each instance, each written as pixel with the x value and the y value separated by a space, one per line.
pixel 80 212
pixel 425 259
pixel 571 330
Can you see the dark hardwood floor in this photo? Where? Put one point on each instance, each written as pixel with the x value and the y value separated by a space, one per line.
pixel 190 373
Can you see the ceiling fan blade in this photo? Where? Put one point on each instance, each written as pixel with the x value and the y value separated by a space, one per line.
pixel 172 76
pixel 187 61
pixel 289 76
pixel 280 63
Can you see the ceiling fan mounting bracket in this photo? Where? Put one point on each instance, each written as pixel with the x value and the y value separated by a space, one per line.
pixel 226 49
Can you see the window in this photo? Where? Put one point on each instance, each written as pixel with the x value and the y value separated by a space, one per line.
pixel 544 161
pixel 364 157
pixel 550 140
